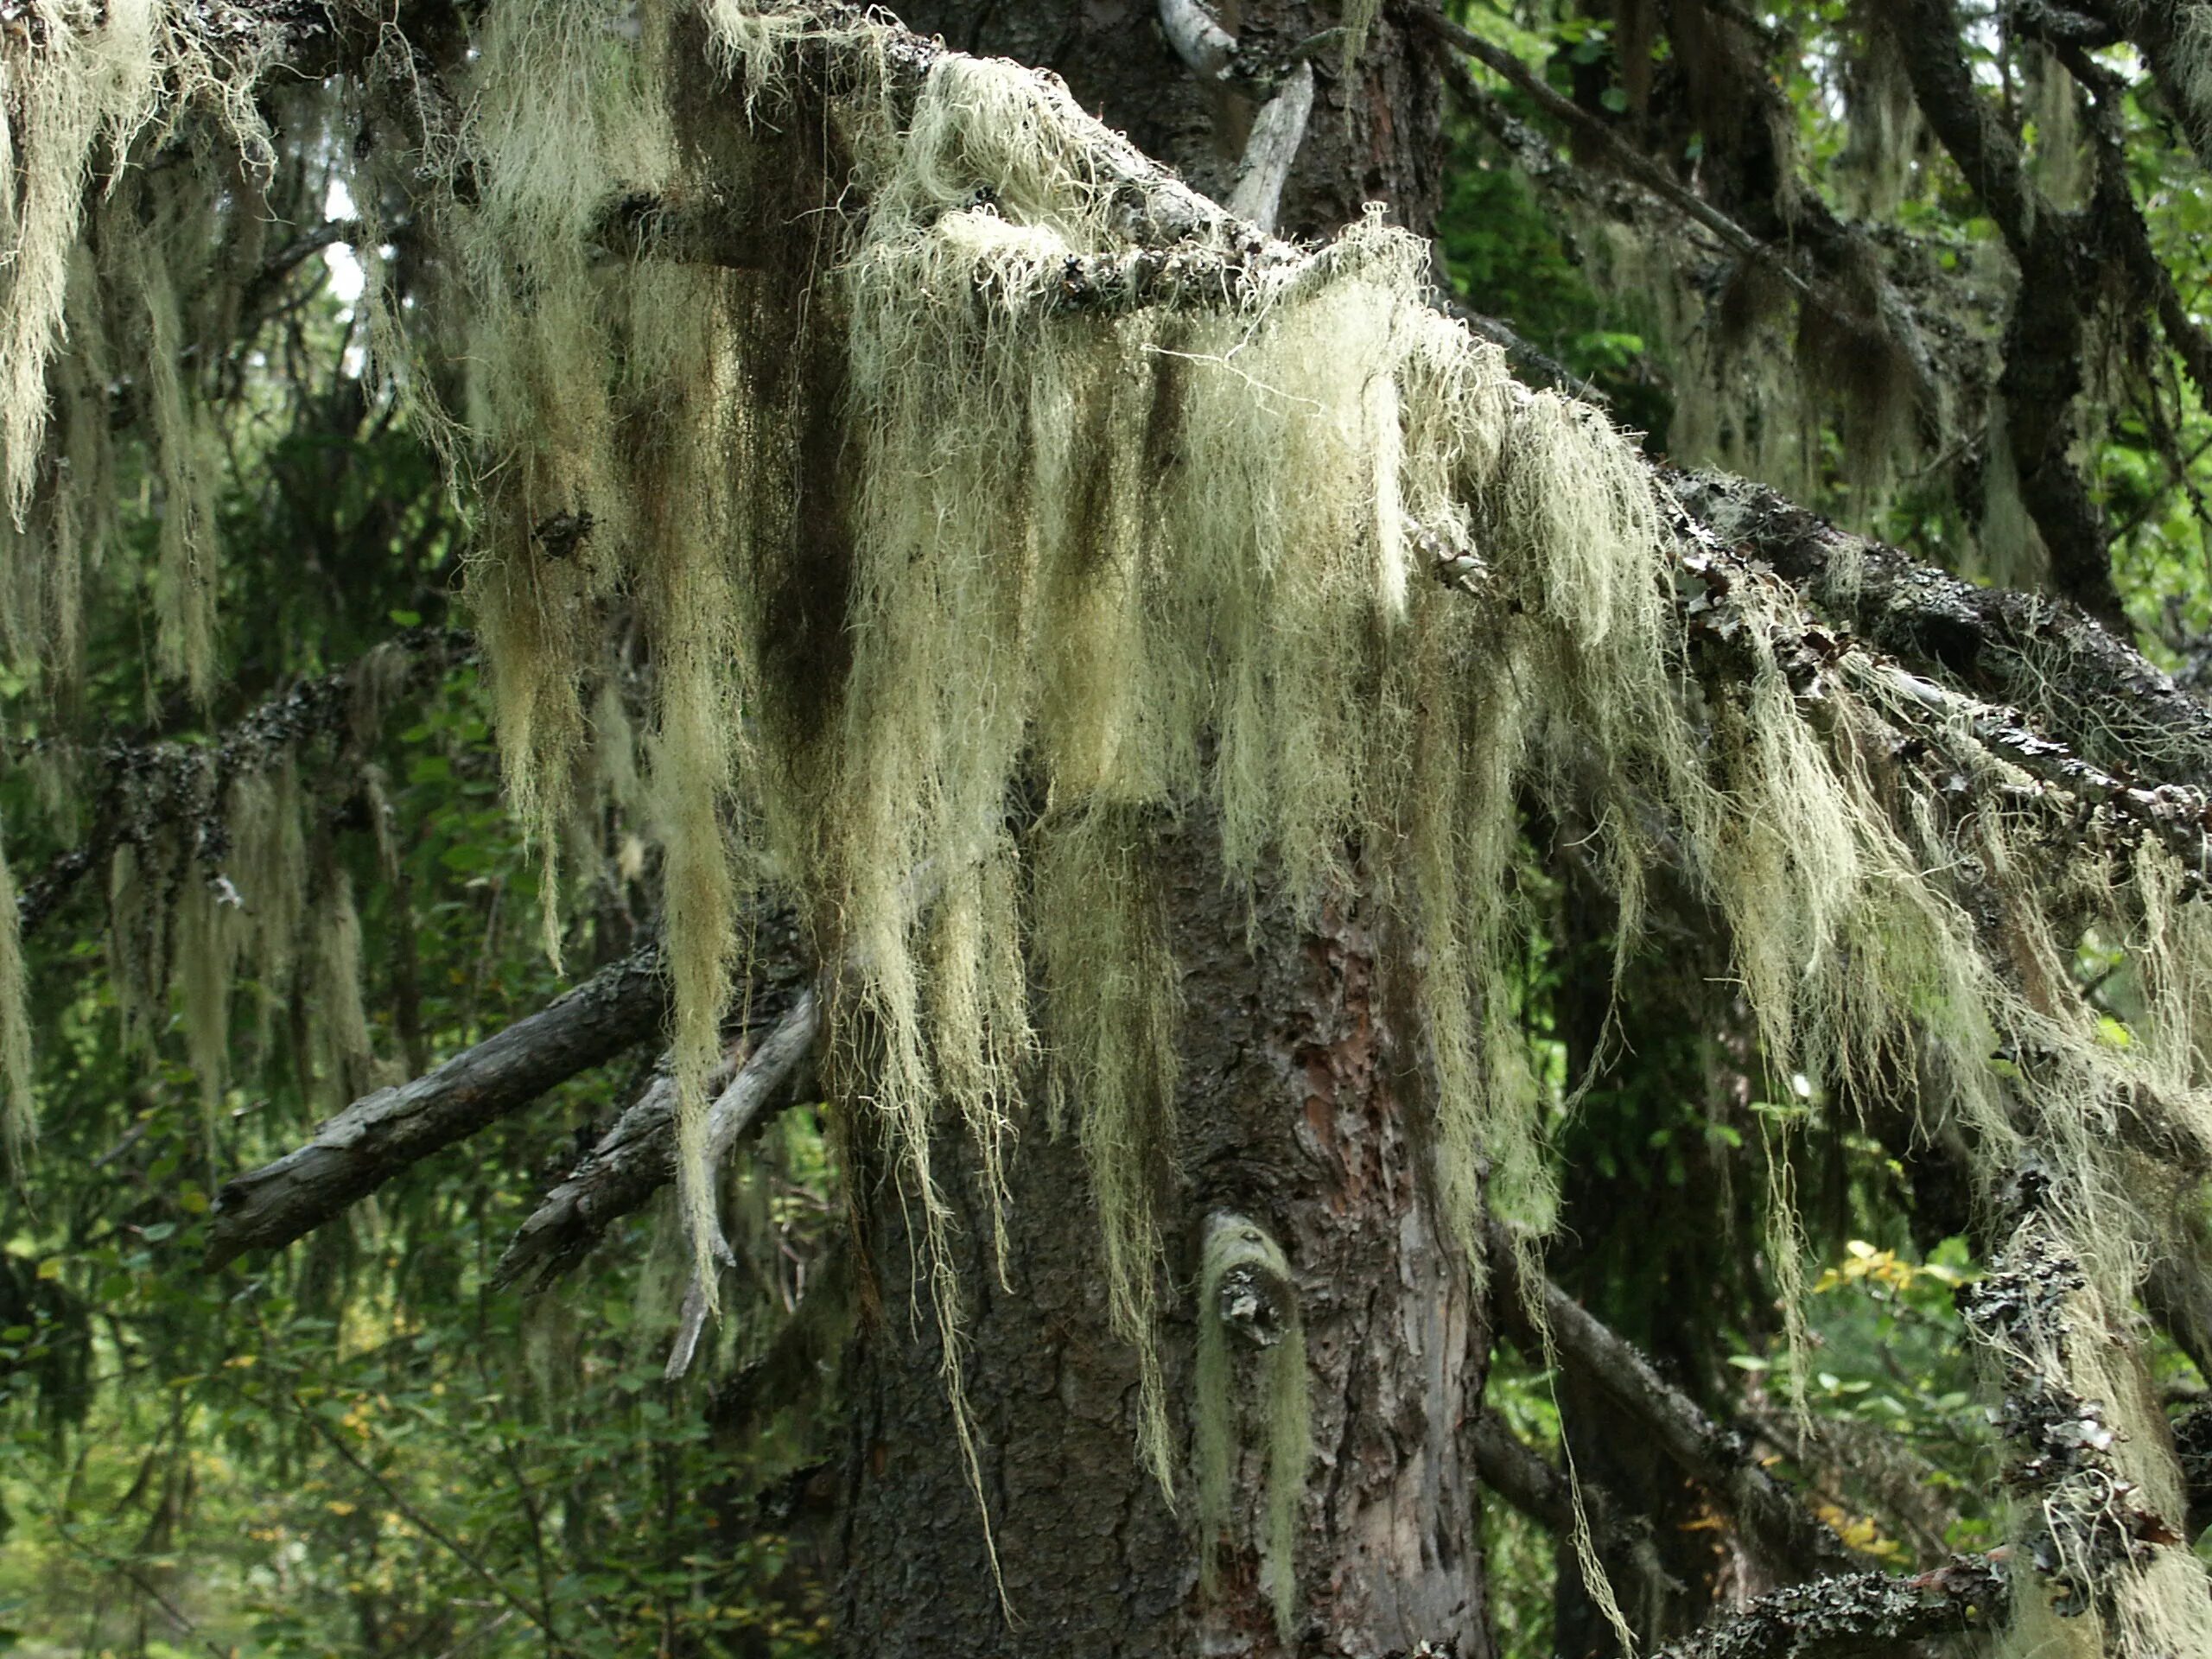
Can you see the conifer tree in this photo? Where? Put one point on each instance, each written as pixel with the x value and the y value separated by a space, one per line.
pixel 1017 599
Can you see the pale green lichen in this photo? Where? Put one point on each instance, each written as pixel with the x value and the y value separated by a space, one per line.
pixel 1247 1293
pixel 1121 563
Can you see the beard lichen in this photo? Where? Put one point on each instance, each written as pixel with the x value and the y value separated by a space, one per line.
pixel 1247 1291
pixel 101 89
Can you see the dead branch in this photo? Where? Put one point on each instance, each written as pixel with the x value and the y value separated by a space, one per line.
pixel 1527 1481
pixel 1874 1614
pixel 142 785
pixel 750 1100
pixel 379 1135
pixel 633 1161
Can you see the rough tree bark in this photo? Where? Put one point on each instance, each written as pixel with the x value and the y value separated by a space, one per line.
pixel 1299 1106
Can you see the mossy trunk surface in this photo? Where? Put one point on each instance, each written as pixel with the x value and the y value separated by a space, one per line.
pixel 1297 1104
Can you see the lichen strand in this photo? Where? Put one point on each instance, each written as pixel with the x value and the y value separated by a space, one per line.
pixel 2185 70
pixel 1884 126
pixel 1251 1354
pixel 1133 558
pixel 600 432
pixel 92 90
pixel 561 106
pixel 1111 996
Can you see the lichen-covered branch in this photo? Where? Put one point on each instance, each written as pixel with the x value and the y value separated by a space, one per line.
pixel 2047 337
pixel 1631 161
pixel 1856 1614
pixel 2094 1529
pixel 2078 679
pixel 2175 37
pixel 145 786
pixel 2179 815
pixel 381 1135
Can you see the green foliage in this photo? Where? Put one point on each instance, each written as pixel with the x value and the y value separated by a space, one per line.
pixel 358 1447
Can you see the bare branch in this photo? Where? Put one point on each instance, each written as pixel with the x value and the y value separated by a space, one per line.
pixel 1206 48
pixel 1277 130
pixel 633 1161
pixel 380 1135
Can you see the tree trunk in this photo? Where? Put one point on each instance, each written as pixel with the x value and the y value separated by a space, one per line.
pixel 1300 1104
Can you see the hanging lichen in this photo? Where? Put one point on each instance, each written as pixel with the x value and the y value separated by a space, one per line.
pixel 2185 69
pixel 1884 125
pixel 86 85
pixel 1246 1291
pixel 1112 994
pixel 1103 528
pixel 2060 158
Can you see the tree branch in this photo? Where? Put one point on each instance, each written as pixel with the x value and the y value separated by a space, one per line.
pixel 1774 1524
pixel 2045 339
pixel 633 1161
pixel 381 1135
pixel 2162 30
pixel 1631 161
pixel 2101 695
pixel 2178 816
pixel 1207 49
pixel 749 1101
pixel 1277 131
pixel 1874 1614
pixel 156 782
pixel 1531 1484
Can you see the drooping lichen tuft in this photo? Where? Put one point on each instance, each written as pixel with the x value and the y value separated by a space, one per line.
pixel 1247 1292
pixel 2186 70
pixel 1095 527
pixel 1884 118
pixel 1111 996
